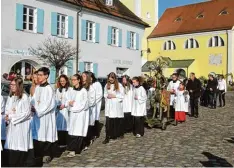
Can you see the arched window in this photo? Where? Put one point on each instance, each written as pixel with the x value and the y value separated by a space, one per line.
pixel 216 41
pixel 191 43
pixel 169 45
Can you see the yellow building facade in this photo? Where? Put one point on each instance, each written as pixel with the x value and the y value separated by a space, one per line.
pixel 148 12
pixel 202 59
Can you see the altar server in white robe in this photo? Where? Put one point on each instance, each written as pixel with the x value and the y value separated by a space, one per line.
pixel 99 95
pixel 3 133
pixel 18 138
pixel 173 87
pixel 114 94
pixel 87 84
pixel 138 107
pixel 62 113
pixel 44 120
pixel 79 116
pixel 127 104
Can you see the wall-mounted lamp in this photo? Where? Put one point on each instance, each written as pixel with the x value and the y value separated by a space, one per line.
pixel 148 51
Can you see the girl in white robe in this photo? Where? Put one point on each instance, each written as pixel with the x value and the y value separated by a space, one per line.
pixel 79 116
pixel 87 84
pixel 3 133
pixel 181 103
pixel 114 94
pixel 99 95
pixel 138 107
pixel 62 113
pixel 18 138
pixel 127 104
pixel 44 119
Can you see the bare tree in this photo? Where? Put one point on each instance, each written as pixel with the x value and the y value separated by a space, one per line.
pixel 55 52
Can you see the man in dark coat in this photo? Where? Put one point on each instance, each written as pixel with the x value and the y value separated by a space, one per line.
pixel 194 88
pixel 212 90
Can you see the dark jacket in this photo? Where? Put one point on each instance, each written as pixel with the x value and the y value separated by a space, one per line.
pixel 212 84
pixel 195 86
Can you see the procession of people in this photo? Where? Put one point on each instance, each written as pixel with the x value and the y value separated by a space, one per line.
pixel 35 127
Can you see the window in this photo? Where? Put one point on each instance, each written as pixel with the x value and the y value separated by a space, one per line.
pixel 200 16
pixel 191 43
pixel 216 41
pixel 178 19
pixel 90 27
pixel 132 40
pixel 88 66
pixel 109 2
pixel 61 25
pixel 169 45
pixel 114 36
pixel 28 18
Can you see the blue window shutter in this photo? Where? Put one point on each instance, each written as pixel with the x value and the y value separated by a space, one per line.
pixel 137 41
pixel 69 68
pixel 95 69
pixel 97 33
pixel 19 16
pixel 128 39
pixel 83 30
pixel 70 27
pixel 40 20
pixel 109 35
pixel 53 23
pixel 120 37
pixel 52 75
pixel 81 67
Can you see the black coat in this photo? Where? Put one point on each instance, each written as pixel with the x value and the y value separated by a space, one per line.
pixel 212 84
pixel 195 86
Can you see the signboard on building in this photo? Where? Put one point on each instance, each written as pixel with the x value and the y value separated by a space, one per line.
pixel 215 59
pixel 15 52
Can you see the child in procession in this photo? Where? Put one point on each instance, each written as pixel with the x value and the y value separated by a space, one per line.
pixel 181 103
pixel 99 95
pixel 114 94
pixel 19 143
pixel 127 103
pixel 44 119
pixel 138 107
pixel 87 84
pixel 62 113
pixel 79 116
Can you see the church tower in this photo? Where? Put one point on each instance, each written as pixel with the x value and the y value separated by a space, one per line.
pixel 147 10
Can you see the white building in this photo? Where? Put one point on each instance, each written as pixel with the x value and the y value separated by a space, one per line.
pixel 109 35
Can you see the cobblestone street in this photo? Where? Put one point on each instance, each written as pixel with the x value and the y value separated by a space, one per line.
pixel 207 141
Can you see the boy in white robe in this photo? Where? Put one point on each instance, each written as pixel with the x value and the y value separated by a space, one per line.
pixel 44 120
pixel 99 95
pixel 18 114
pixel 138 107
pixel 79 116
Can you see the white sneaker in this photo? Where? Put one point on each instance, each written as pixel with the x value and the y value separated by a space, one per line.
pixel 71 154
pixel 85 149
pixel 138 135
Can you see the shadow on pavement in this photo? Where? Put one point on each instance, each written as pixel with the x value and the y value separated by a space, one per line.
pixel 214 161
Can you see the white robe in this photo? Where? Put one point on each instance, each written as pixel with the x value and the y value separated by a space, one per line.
pixel 99 95
pixel 180 104
pixel 3 123
pixel 44 121
pixel 127 101
pixel 92 104
pixel 62 116
pixel 19 135
pixel 173 86
pixel 139 105
pixel 79 113
pixel 114 106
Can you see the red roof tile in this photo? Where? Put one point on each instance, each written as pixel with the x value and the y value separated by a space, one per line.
pixel 189 23
pixel 117 10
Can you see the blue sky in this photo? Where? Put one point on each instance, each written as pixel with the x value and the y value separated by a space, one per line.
pixel 164 4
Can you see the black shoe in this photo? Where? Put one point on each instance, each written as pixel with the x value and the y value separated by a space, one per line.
pixel 106 141
pixel 121 137
pixel 220 106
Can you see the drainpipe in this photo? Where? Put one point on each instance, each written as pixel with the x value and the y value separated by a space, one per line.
pixel 77 38
pixel 227 55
